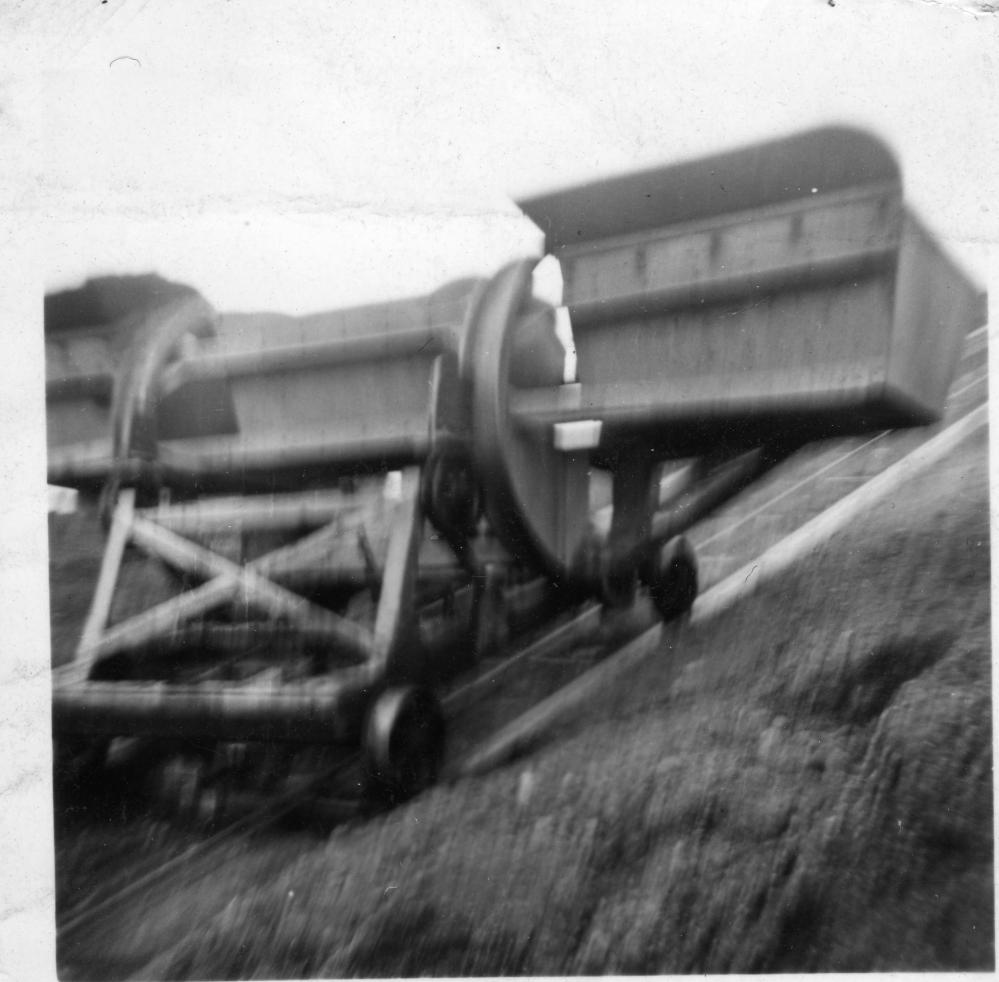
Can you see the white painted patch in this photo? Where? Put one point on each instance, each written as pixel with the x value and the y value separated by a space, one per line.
pixel 580 434
pixel 393 486
pixel 563 331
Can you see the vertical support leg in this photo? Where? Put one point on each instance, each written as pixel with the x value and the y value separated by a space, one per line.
pixel 395 639
pixel 571 508
pixel 100 607
pixel 489 620
pixel 636 493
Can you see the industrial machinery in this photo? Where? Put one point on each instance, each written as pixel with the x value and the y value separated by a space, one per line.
pixel 356 505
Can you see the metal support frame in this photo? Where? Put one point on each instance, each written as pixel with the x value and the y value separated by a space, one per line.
pixel 388 650
pixel 651 263
pixel 225 581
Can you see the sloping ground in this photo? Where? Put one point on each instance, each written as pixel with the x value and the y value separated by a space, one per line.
pixel 805 784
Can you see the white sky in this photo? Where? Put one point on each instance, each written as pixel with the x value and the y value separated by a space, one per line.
pixel 306 155
pixel 339 155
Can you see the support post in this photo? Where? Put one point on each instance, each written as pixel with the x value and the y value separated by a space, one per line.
pixel 395 620
pixel 635 494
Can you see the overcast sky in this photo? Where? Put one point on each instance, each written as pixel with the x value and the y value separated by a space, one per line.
pixel 306 157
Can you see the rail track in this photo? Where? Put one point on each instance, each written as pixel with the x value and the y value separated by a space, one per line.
pixel 785 501
pixel 506 687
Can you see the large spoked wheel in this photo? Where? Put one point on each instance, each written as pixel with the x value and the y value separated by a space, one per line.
pixel 673 582
pixel 403 744
pixel 535 496
pixel 165 333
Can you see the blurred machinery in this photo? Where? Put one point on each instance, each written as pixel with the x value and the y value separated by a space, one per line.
pixel 725 312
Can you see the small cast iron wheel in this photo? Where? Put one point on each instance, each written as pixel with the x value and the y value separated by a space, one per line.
pixel 403 743
pixel 451 494
pixel 673 583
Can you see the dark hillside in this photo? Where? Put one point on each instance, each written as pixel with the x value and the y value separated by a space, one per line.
pixel 804 784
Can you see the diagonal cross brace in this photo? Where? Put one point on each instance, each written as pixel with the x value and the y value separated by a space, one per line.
pixel 226 581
